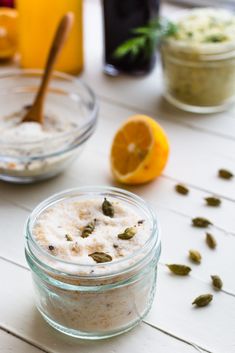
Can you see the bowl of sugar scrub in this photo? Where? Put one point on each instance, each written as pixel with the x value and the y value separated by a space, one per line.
pixel 30 151
pixel 93 254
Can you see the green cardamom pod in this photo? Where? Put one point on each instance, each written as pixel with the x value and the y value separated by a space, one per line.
pixel 203 300
pixel 195 256
pixel 107 208
pixel 68 237
pixel 217 282
pixel 210 240
pixel 100 257
pixel 88 229
pixel 213 201
pixel 201 222
pixel 180 270
pixel 181 189
pixel 225 174
pixel 127 234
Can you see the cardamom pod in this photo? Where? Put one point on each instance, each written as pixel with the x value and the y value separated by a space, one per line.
pixel 217 282
pixel 195 256
pixel 181 189
pixel 213 201
pixel 88 229
pixel 68 237
pixel 225 174
pixel 127 234
pixel 210 240
pixel 201 222
pixel 180 270
pixel 107 208
pixel 100 257
pixel 203 300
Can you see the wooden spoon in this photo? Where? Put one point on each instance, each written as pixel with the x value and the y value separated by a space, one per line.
pixel 35 112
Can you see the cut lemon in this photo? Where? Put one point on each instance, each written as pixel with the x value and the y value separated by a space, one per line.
pixel 139 151
pixel 8 32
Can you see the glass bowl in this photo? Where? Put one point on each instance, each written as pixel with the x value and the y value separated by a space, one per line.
pixel 101 300
pixel 30 161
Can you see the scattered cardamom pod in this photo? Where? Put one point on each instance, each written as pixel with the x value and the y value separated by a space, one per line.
pixel 210 240
pixel 107 208
pixel 217 282
pixel 181 189
pixel 88 229
pixel 195 256
pixel 180 270
pixel 201 222
pixel 225 174
pixel 127 234
pixel 68 237
pixel 203 300
pixel 51 247
pixel 213 201
pixel 100 257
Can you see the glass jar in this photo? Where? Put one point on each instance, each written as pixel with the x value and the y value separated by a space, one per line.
pixel 199 78
pixel 100 300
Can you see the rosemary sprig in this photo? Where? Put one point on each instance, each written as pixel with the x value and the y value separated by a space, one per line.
pixel 147 38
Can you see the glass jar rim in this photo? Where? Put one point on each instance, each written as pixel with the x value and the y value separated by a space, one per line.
pixel 153 241
pixel 206 51
pixel 81 130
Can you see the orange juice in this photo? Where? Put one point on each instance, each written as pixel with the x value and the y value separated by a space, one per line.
pixel 38 20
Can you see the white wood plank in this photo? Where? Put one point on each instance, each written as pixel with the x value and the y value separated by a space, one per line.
pixel 178 237
pixel 144 94
pixel 12 221
pixel 172 309
pixel 27 322
pixel 11 344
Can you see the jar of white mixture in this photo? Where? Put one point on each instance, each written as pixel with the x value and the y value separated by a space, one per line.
pixel 94 272
pixel 199 61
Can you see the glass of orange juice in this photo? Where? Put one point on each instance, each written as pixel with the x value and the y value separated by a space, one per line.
pixel 38 20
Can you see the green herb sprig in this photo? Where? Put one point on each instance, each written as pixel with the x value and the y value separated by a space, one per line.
pixel 146 38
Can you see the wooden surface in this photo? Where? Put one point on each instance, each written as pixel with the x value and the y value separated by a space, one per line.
pixel 200 145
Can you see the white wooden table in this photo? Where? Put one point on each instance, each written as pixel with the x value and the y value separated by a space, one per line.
pixel 200 145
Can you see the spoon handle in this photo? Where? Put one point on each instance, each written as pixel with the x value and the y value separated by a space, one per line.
pixel 35 113
pixel 58 42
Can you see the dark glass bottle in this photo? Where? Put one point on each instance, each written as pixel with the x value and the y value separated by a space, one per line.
pixel 120 17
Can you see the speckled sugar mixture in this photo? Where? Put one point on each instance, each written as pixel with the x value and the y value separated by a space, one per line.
pixel 205 26
pixel 60 230
pixel 13 130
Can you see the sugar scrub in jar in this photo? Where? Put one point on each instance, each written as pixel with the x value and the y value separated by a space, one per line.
pixel 93 255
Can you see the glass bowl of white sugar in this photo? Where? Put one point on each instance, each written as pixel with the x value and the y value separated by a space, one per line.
pixel 93 254
pixel 30 151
